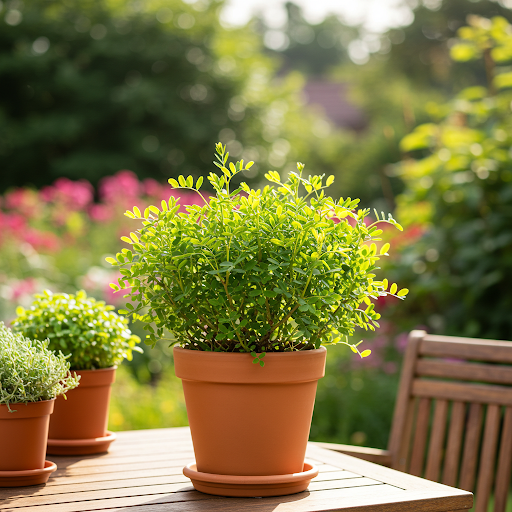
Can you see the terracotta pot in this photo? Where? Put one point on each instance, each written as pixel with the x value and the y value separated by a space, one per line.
pixel 84 414
pixel 247 420
pixel 23 435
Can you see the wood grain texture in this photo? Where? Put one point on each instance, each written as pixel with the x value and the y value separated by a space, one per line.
pixel 487 458
pixel 463 392
pixel 471 445
pixel 491 373
pixel 466 348
pixel 420 437
pixel 436 444
pixel 400 413
pixel 370 454
pixel 402 457
pixel 454 443
pixel 502 486
pixel 344 483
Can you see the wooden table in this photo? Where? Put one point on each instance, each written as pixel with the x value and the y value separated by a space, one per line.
pixel 143 473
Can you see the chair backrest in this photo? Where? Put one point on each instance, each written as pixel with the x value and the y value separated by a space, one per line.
pixel 453 416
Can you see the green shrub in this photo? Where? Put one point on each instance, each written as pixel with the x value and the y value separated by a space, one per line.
pixel 29 371
pixel 459 197
pixel 255 270
pixel 85 329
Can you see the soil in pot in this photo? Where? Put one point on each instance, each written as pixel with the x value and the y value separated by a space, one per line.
pixel 81 420
pixel 247 420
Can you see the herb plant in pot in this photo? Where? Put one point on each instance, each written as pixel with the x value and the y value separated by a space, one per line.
pixel 252 285
pixel 31 377
pixel 95 339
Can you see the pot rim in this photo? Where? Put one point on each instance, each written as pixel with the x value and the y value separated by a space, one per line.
pixel 96 378
pixel 235 367
pixel 26 410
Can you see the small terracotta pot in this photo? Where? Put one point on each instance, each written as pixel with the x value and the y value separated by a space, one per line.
pixel 247 420
pixel 84 414
pixel 23 435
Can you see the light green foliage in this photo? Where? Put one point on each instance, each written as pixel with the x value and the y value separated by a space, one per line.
pixel 89 331
pixel 29 371
pixel 459 191
pixel 254 270
pixel 484 36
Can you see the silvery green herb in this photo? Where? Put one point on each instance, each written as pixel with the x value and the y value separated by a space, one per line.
pixel 29 371
pixel 280 269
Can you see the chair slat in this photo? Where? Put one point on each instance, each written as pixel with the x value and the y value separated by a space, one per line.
pixel 466 348
pixel 487 457
pixel 401 412
pixel 454 443
pixel 403 454
pixel 436 445
pixel 480 393
pixel 504 464
pixel 420 437
pixel 465 371
pixel 471 443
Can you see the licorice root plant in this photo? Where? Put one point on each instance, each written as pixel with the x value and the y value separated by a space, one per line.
pixel 285 268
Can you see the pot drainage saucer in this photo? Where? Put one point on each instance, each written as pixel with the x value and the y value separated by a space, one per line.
pixel 27 476
pixel 80 446
pixel 251 486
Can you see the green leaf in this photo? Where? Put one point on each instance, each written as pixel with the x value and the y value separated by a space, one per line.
pixel 330 181
pixel 384 249
pixel 503 80
pixel 403 292
pixel 463 52
pixel 111 260
pixel 173 183
pixel 199 182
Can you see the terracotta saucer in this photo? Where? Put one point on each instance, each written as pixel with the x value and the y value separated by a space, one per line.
pixel 27 476
pixel 80 446
pixel 251 486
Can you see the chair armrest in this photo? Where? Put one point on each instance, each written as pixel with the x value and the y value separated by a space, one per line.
pixel 382 457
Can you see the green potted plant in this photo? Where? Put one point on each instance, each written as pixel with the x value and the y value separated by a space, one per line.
pixel 95 339
pixel 31 377
pixel 252 285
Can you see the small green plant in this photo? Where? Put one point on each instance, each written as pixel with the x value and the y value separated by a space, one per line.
pixel 86 330
pixel 29 371
pixel 254 270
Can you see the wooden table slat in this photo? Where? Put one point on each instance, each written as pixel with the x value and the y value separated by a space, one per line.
pixel 129 480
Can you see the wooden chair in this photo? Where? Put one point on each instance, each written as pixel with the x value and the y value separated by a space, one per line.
pixel 453 416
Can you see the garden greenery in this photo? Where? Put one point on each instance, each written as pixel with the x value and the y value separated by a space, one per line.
pixel 458 192
pixel 87 330
pixel 254 270
pixel 29 371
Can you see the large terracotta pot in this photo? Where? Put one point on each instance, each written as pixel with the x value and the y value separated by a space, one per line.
pixel 79 423
pixel 245 419
pixel 23 435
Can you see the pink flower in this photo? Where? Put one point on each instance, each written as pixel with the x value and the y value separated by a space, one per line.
pixel 42 240
pixel 23 201
pixel 123 186
pixel 100 212
pixel 22 288
pixel 74 194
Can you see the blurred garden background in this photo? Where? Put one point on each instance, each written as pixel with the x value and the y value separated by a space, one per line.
pixel 101 102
